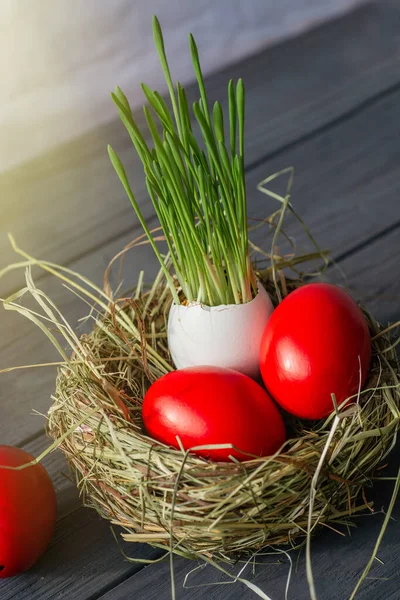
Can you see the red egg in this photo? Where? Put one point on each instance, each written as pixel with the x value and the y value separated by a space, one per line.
pixel 27 512
pixel 212 405
pixel 315 344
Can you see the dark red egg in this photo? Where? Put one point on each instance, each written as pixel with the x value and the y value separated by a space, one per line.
pixel 315 344
pixel 212 405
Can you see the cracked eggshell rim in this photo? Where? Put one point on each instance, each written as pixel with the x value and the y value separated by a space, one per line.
pixel 227 336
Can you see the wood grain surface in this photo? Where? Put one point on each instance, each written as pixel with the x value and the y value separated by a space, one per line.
pixel 326 103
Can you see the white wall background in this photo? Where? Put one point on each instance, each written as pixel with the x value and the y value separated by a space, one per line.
pixel 59 59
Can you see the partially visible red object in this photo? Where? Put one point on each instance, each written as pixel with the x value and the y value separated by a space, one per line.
pixel 27 512
pixel 211 405
pixel 316 343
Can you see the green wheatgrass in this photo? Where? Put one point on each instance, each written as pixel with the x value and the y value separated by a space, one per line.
pixel 197 187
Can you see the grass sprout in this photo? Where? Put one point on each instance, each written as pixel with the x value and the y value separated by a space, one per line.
pixel 197 186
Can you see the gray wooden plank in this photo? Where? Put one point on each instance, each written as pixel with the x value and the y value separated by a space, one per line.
pixel 372 275
pixel 344 189
pixel 69 202
pixel 83 559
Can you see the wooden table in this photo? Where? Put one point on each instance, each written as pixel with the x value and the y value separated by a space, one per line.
pixel 328 103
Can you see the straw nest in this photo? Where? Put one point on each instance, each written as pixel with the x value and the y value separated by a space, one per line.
pixel 178 501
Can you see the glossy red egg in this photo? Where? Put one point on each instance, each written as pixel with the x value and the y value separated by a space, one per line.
pixel 315 344
pixel 212 405
pixel 27 512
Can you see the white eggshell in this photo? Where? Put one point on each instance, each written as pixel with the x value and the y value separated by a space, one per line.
pixel 225 336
